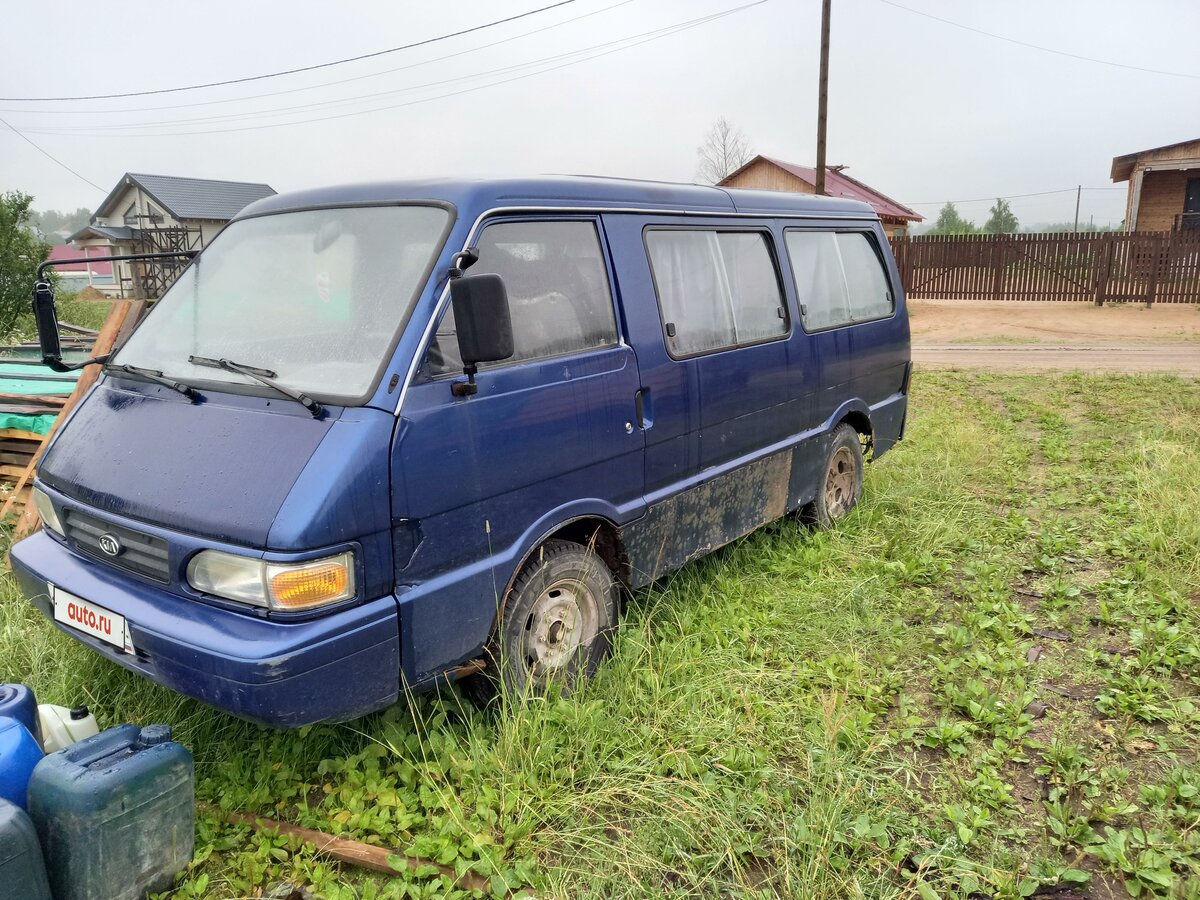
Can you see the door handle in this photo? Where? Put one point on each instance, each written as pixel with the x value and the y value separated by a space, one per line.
pixel 640 402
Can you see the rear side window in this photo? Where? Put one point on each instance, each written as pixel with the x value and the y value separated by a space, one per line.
pixel 557 287
pixel 716 289
pixel 839 278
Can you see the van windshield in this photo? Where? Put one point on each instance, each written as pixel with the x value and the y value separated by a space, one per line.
pixel 315 297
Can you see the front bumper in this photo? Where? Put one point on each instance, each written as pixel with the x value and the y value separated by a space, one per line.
pixel 286 674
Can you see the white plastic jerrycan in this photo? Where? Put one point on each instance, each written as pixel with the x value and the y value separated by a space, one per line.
pixel 62 727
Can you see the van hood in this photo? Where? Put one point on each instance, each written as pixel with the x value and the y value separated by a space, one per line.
pixel 221 468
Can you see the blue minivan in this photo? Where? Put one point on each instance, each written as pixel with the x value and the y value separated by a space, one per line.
pixel 384 435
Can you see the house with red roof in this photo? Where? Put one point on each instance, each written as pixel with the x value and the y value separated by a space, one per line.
pixel 768 174
pixel 81 274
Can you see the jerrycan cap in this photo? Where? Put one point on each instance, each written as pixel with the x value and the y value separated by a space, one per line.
pixel 151 735
pixel 79 712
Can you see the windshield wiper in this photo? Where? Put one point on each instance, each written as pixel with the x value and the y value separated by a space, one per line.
pixel 158 378
pixel 265 376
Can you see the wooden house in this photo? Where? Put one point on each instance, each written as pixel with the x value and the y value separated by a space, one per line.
pixel 765 173
pixel 1164 187
pixel 158 214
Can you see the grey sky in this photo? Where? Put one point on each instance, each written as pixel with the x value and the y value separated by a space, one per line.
pixel 920 109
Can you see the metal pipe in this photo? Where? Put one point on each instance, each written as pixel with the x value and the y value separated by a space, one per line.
pixel 52 263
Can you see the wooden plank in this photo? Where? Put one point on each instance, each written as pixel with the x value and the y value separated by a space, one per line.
pixel 21 434
pixel 357 853
pixel 47 399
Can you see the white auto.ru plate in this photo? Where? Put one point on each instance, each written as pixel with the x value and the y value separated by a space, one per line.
pixel 89 618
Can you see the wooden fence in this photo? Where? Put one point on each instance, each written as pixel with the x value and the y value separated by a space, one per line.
pixel 1142 268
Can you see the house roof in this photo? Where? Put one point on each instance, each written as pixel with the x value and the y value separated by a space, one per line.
pixel 1122 166
pixel 839 184
pixel 61 252
pixel 111 232
pixel 190 198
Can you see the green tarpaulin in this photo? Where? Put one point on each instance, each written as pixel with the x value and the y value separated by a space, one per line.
pixel 15 379
pixel 39 424
pixel 11 381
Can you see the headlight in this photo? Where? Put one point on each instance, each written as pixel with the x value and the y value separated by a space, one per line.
pixel 45 509
pixel 280 586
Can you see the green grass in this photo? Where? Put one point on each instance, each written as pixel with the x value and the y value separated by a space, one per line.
pixel 85 313
pixel 984 681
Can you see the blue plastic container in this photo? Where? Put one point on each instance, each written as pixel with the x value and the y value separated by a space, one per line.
pixel 115 813
pixel 19 753
pixel 18 701
pixel 22 872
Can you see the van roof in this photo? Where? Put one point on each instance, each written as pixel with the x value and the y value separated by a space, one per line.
pixel 474 196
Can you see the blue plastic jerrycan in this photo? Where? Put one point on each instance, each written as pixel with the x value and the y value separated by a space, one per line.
pixel 115 813
pixel 19 753
pixel 22 872
pixel 18 701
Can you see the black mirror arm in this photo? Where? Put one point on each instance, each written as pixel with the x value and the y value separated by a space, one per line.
pixel 44 290
pixel 463 260
pixel 466 388
pixel 43 297
pixel 59 366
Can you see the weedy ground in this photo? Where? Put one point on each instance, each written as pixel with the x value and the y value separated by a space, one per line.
pixel 983 683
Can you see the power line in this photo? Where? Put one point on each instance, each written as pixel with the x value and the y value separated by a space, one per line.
pixel 1010 196
pixel 53 159
pixel 276 111
pixel 314 67
pixel 325 84
pixel 1000 37
pixel 627 43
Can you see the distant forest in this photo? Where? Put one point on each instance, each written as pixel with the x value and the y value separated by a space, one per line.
pixel 49 221
pixel 1002 220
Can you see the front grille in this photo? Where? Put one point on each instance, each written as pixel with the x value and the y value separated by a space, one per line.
pixel 141 553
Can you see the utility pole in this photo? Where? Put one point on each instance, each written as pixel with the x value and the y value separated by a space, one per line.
pixel 823 95
pixel 1078 191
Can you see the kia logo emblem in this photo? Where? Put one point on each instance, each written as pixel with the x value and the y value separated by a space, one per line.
pixel 110 545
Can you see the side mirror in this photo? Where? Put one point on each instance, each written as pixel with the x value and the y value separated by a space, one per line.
pixel 483 323
pixel 46 317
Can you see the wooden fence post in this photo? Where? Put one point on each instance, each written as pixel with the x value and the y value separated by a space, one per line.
pixel 1000 261
pixel 1162 255
pixel 1102 269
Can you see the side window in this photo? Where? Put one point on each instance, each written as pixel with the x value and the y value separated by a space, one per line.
pixel 716 289
pixel 557 287
pixel 839 278
pixel 870 296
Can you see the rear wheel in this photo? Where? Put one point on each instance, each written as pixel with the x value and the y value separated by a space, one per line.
pixel 841 486
pixel 555 625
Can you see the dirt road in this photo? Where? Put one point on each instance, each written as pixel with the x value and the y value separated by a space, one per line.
pixel 1032 337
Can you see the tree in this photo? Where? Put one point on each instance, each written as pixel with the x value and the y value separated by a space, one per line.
pixel 21 252
pixel 723 151
pixel 950 222
pixel 1001 220
pixel 49 221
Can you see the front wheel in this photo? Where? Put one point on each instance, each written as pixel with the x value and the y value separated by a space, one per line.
pixel 555 626
pixel 841 487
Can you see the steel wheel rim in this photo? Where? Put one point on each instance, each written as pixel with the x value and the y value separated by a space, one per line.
pixel 840 481
pixel 563 619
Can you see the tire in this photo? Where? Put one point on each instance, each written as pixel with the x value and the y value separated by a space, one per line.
pixel 840 487
pixel 554 628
